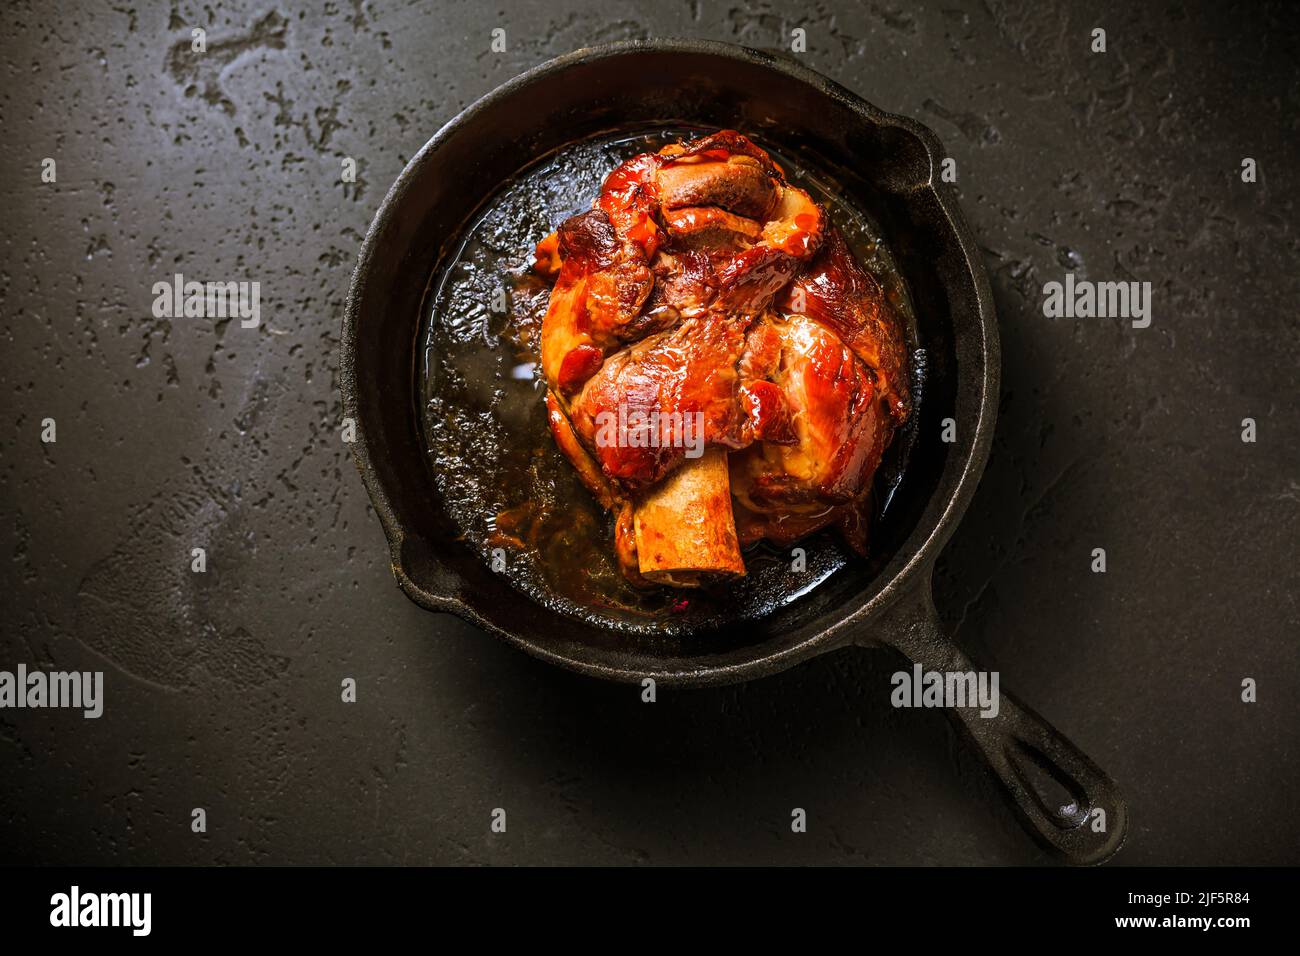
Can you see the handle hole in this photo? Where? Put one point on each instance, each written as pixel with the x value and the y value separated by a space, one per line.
pixel 1057 795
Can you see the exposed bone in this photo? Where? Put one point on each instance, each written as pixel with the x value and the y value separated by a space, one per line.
pixel 685 529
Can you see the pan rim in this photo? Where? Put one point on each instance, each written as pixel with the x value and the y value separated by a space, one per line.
pixel 924 550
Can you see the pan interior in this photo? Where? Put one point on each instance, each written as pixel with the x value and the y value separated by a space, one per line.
pixel 501 481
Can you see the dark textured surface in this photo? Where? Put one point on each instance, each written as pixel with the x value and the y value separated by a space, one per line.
pixel 223 688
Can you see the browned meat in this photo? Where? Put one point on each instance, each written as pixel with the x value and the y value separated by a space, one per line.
pixel 706 303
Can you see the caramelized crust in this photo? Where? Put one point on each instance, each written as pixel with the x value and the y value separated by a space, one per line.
pixel 721 367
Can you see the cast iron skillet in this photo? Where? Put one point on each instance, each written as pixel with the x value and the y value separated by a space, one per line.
pixel 892 165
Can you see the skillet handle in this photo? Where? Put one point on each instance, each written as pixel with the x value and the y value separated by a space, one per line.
pixel 1024 751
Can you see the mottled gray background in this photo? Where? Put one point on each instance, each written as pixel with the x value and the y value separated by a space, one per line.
pixel 223 688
